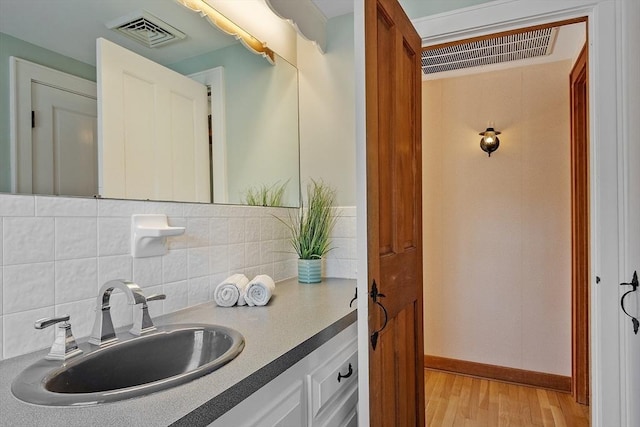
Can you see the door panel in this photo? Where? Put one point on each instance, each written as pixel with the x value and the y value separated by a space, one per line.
pixel 394 215
pixel 64 138
pixel 153 138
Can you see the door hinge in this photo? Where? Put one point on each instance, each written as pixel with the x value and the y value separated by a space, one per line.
pixel 33 119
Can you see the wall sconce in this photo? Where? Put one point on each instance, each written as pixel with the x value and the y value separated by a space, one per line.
pixel 489 142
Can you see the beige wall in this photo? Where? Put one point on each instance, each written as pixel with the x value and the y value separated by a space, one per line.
pixel 497 245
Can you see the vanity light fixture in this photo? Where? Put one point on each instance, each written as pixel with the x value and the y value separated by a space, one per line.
pixel 224 24
pixel 489 142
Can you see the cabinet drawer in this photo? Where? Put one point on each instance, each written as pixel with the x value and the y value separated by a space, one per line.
pixel 331 382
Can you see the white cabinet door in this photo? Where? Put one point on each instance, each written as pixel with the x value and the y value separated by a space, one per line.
pixel 308 393
pixel 153 139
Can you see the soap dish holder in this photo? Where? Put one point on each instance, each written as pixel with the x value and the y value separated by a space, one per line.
pixel 149 234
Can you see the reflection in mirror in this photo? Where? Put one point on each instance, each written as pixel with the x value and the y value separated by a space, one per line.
pixel 254 104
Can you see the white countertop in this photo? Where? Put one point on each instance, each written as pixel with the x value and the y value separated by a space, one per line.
pixel 298 319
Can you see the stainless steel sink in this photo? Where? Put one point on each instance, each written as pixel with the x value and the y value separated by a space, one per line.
pixel 136 366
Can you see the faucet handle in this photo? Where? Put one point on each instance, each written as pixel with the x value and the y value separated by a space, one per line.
pixel 156 297
pixel 64 346
pixel 48 321
pixel 141 319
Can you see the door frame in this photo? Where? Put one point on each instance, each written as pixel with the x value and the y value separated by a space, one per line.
pixel 21 74
pixel 606 99
pixel 607 164
pixel 213 78
pixel 579 106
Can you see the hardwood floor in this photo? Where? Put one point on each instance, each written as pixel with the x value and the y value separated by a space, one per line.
pixel 462 401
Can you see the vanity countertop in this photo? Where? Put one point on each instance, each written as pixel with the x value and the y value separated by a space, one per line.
pixel 298 319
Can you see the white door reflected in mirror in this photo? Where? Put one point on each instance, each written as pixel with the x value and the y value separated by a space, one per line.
pixel 152 130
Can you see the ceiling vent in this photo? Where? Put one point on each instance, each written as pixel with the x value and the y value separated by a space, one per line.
pixel 146 29
pixel 512 47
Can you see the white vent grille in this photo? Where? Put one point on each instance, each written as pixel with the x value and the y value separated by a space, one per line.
pixel 146 29
pixel 524 45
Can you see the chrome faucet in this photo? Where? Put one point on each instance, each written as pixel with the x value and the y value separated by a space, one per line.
pixel 103 331
pixel 64 346
pixel 141 320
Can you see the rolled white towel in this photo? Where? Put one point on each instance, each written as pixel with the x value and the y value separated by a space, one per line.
pixel 259 290
pixel 228 292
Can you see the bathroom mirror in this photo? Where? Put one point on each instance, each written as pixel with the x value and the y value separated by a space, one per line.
pixel 260 104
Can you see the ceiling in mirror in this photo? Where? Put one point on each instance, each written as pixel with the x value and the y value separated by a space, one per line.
pixel 257 118
pixel 71 27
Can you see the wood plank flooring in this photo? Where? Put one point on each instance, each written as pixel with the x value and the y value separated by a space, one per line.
pixel 462 401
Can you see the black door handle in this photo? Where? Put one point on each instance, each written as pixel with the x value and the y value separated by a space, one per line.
pixel 374 294
pixel 634 287
pixel 347 375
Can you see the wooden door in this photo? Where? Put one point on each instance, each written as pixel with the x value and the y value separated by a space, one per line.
pixel 394 227
pixel 153 141
pixel 64 138
pixel 580 228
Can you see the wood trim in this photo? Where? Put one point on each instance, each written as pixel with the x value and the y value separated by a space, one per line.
pixel 580 237
pixel 501 373
pixel 507 33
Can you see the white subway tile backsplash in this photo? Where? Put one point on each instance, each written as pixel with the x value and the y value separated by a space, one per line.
pixel 114 236
pixel 236 257
pixel 198 290
pixel 15 205
pixel 55 253
pixel 76 279
pixel 267 228
pixel 252 254
pixel 75 238
pixel 345 227
pixel 197 232
pixel 266 251
pixel 147 272
pixel 27 287
pixel 219 259
pixel 199 209
pixel 1 244
pixel 20 337
pixel 174 266
pixel 198 262
pixel 252 230
pixel 1 336
pixel 28 240
pixel 167 208
pixel 219 231
pixel 177 297
pixel 65 206
pixel 236 230
pixel 114 267
pixel 121 208
pixel 83 314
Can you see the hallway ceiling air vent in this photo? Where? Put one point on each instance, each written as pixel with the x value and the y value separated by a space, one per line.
pixel 512 47
pixel 146 29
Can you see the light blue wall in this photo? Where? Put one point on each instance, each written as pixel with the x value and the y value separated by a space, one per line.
pixel 11 46
pixel 420 8
pixel 261 106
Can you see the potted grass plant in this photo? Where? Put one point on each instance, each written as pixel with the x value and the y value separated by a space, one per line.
pixel 310 228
